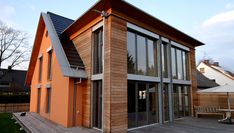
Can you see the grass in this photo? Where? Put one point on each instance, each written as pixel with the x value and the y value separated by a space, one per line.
pixel 7 125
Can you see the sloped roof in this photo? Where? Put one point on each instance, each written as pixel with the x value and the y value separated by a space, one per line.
pixel 203 82
pixel 69 60
pixel 15 77
pixel 60 23
pixel 133 12
pixel 219 69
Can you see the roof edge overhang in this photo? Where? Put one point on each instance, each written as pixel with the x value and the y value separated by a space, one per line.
pixel 121 6
pixel 66 69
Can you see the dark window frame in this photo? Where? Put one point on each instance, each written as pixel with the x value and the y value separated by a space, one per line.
pixel 98 51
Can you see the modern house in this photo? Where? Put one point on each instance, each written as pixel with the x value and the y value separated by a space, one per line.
pixel 115 68
pixel 214 71
pixel 13 81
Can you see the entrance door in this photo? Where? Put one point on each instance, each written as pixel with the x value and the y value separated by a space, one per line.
pixel 97 104
pixel 142 109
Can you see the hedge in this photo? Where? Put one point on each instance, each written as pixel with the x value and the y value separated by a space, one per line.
pixel 14 98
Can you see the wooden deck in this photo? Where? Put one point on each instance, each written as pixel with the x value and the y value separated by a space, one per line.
pixel 34 123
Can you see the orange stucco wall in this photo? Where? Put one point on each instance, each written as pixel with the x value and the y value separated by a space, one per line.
pixel 61 88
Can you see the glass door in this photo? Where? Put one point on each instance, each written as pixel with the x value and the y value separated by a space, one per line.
pixel 141 99
pixel 97 104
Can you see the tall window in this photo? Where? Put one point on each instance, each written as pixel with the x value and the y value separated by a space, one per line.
pixel 40 68
pixel 131 53
pixel 49 74
pixel 164 59
pixel 97 51
pixel 180 64
pixel 48 100
pixel 181 100
pixel 142 54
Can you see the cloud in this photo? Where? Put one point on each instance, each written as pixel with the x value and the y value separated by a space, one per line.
pixel 229 6
pixel 217 32
pixel 226 17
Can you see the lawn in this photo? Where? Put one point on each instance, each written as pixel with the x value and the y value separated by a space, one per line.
pixel 7 125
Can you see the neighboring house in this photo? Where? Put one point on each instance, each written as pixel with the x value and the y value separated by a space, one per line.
pixel 112 71
pixel 213 71
pixel 13 81
pixel 203 82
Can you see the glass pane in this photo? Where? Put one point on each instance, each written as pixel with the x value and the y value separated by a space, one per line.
pixel 173 62
pixel 153 104
pixel 97 104
pixel 142 114
pixel 165 102
pixel 164 60
pixel 97 52
pixel 179 64
pixel 184 66
pixel 131 105
pixel 187 66
pixel 151 58
pixel 131 53
pixel 141 55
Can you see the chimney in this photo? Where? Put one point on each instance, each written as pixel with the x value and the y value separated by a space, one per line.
pixel 9 68
pixel 216 63
pixel 207 61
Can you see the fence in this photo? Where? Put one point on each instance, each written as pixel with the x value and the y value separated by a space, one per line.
pixel 14 107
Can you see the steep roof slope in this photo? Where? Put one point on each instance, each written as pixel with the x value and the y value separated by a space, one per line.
pixel 60 23
pixel 69 60
pixel 203 82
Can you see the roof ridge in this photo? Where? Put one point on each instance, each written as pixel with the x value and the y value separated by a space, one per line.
pixel 48 12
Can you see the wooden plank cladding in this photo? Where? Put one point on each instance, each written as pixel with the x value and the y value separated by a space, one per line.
pixel 115 76
pixel 83 45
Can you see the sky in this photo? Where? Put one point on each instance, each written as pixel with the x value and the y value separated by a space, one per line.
pixel 210 21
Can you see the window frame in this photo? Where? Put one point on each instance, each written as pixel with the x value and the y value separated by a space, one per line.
pixel 49 65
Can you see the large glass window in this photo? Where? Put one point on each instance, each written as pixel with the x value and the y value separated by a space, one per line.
pixel 165 102
pixel 142 103
pixel 142 54
pixel 164 60
pixel 152 58
pixel 180 64
pixel 131 53
pixel 181 101
pixel 97 104
pixel 97 51
pixel 173 63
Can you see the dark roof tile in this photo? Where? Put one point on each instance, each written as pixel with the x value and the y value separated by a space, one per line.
pixel 203 82
pixel 61 23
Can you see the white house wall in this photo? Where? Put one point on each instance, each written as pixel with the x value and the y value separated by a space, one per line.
pixel 220 78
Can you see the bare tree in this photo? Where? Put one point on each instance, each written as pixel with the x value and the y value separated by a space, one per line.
pixel 14 48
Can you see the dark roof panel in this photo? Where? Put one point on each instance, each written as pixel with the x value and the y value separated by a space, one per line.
pixel 60 23
pixel 15 77
pixel 203 82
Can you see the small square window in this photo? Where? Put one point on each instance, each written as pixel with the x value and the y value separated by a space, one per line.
pixel 202 70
